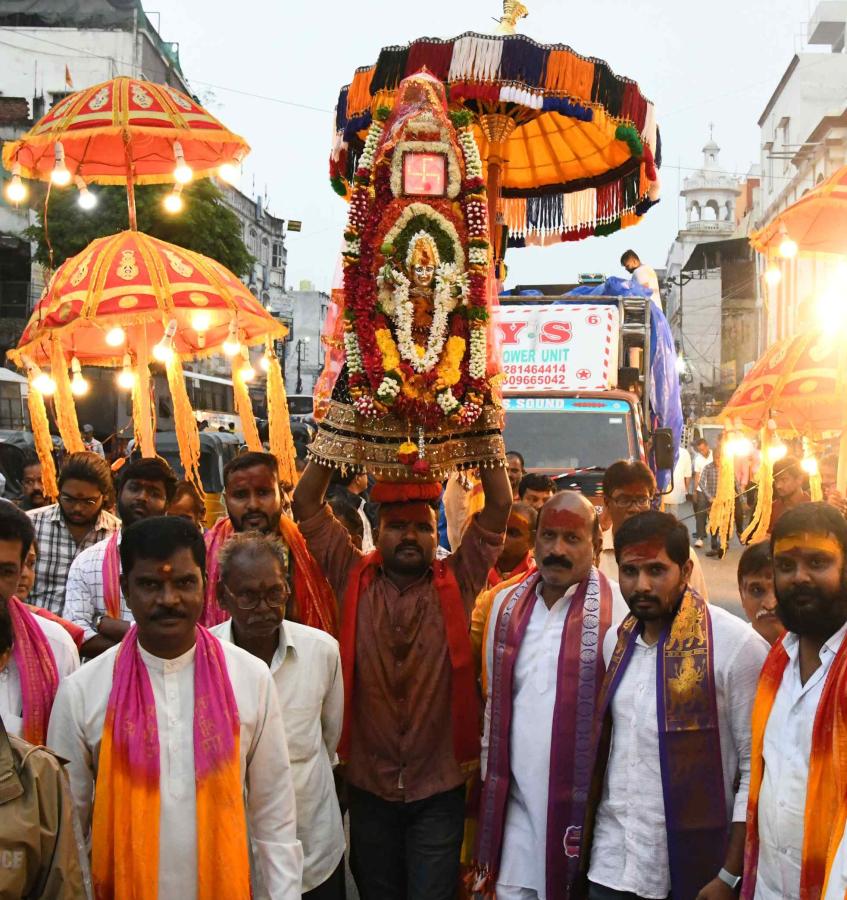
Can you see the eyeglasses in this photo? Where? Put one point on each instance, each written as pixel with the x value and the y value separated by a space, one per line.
pixel 85 502
pixel 622 501
pixel 273 597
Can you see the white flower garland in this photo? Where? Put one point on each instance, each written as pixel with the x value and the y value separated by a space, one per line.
pixel 352 353
pixel 477 353
pixel 366 160
pixel 470 150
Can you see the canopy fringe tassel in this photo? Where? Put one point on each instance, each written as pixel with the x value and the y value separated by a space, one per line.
pixel 63 401
pixel 722 514
pixel 244 407
pixel 185 424
pixel 279 425
pixel 43 442
pixel 759 525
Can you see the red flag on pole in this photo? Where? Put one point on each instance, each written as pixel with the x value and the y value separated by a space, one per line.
pixel 69 82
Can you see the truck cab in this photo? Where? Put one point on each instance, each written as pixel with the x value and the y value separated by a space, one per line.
pixel 567 408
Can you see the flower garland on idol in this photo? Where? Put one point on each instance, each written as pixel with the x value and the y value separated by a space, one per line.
pixel 444 378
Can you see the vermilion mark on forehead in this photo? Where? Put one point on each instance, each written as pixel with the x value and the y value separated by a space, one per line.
pixel 166 568
pixel 642 551
pixel 563 518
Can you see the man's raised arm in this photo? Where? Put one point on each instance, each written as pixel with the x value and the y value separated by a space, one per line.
pixel 498 498
pixel 310 491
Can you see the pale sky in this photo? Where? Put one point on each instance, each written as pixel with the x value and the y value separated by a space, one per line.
pixel 699 62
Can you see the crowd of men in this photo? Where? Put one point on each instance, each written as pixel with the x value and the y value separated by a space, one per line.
pixel 508 692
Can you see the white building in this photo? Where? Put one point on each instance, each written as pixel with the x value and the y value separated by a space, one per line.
pixel 803 141
pixel 304 311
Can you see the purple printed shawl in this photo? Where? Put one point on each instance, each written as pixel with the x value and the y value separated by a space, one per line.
pixel 689 744
pixel 578 680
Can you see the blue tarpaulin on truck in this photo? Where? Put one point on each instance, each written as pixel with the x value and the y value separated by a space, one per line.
pixel 665 401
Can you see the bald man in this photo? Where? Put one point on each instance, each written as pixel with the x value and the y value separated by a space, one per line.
pixel 544 663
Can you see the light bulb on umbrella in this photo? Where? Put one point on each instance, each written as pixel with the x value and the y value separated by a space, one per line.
pixel 173 202
pixel 164 350
pixel 115 336
pixel 183 173
pixel 42 382
pixel 79 386
pixel 126 377
pixel 86 199
pixel 773 276
pixel 232 346
pixel 246 372
pixel 230 173
pixel 16 190
pixel 787 247
pixel 60 176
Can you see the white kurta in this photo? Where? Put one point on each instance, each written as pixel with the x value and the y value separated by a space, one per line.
pixel 630 849
pixel 306 671
pixel 523 862
pixel 787 749
pixel 11 699
pixel 76 728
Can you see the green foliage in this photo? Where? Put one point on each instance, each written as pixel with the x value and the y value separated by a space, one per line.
pixel 461 118
pixel 205 224
pixel 423 222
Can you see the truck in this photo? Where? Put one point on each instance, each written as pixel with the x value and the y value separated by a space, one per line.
pixel 577 385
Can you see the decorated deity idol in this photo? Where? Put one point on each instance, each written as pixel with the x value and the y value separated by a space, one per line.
pixel 414 395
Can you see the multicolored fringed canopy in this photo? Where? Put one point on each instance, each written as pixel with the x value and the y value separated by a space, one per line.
pixel 126 301
pixel 817 222
pixel 121 128
pixel 570 149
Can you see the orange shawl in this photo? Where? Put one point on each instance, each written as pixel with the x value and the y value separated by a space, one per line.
pixel 125 825
pixel 827 785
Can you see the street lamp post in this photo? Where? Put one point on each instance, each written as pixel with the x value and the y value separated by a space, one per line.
pixel 302 347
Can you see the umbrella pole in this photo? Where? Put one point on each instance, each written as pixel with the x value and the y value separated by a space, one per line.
pixel 130 184
pixel 495 175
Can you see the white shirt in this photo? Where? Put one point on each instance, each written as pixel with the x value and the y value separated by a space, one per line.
pixel 787 748
pixel 306 671
pixel 630 849
pixel 84 598
pixel 76 728
pixel 682 470
pixel 608 565
pixel 11 699
pixel 646 276
pixel 523 861
pixel 700 462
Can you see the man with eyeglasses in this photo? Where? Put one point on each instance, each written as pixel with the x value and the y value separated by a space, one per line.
pixel 94 600
pixel 32 487
pixel 64 529
pixel 629 488
pixel 306 670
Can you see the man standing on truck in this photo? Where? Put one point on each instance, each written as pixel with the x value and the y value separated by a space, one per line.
pixel 642 274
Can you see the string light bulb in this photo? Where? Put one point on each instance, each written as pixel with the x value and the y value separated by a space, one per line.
pixel 41 381
pixel 183 173
pixel 60 176
pixel 777 452
pixel 164 350
pixel 173 202
pixel 246 372
pixel 773 276
pixel 79 386
pixel 265 361
pixel 16 190
pixel 126 377
pixel 86 199
pixel 787 247
pixel 809 465
pixel 230 173
pixel 115 336
pixel 232 346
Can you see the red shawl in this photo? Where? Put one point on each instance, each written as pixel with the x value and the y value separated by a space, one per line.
pixel 495 578
pixel 464 695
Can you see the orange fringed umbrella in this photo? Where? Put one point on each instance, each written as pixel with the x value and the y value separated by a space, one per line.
pixel 127 298
pixel 817 222
pixel 799 383
pixel 125 131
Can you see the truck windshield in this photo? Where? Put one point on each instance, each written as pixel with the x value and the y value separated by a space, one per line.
pixel 569 438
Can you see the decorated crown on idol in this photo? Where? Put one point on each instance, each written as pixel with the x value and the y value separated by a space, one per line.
pixel 414 395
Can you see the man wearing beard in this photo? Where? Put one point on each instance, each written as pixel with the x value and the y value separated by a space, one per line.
pixel 94 600
pixel 65 529
pixel 254 502
pixel 666 817
pixel 411 732
pixel 796 811
pixel 32 487
pixel 544 670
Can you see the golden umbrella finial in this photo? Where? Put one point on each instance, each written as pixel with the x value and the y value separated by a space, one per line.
pixel 513 12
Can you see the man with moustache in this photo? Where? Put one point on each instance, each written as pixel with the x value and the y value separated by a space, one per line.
pixel 64 529
pixel 665 816
pixel 798 785
pixel 411 738
pixel 305 668
pixel 32 486
pixel 516 468
pixel 542 655
pixel 254 502
pixel 93 599
pixel 755 586
pixel 175 743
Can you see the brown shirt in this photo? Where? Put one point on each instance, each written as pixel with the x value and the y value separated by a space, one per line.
pixel 402 747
